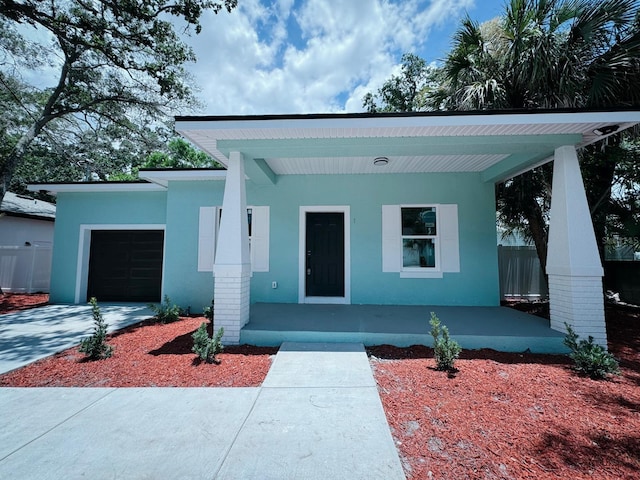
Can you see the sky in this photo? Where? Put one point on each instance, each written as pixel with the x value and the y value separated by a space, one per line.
pixel 317 56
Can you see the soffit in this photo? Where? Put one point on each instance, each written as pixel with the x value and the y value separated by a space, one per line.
pixel 335 144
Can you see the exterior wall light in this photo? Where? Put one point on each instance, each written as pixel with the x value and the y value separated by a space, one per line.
pixel 606 130
pixel 380 161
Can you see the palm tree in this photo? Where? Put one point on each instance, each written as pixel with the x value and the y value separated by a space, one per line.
pixel 547 54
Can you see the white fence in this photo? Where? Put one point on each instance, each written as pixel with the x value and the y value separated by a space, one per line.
pixel 25 269
pixel 520 273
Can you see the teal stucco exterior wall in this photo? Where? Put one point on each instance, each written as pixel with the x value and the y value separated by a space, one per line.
pixel 178 208
pixel 476 284
pixel 94 209
pixel 183 283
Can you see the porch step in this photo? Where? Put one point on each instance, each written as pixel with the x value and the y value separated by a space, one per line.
pixel 498 328
pixel 271 338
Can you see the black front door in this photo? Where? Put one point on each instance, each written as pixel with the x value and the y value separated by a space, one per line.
pixel 325 255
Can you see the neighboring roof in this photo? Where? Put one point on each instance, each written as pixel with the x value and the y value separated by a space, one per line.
pixel 24 206
pixel 152 180
pixel 496 144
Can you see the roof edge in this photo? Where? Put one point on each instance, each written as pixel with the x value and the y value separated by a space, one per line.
pixel 439 113
pixel 73 187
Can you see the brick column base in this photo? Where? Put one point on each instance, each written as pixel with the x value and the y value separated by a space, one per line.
pixel 231 302
pixel 579 302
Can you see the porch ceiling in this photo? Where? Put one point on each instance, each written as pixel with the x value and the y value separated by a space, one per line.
pixel 496 145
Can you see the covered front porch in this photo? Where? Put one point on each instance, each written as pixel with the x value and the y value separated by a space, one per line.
pixel 499 328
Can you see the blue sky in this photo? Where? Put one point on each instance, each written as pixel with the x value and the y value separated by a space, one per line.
pixel 316 56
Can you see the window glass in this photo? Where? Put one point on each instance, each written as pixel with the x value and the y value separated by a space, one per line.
pixel 419 221
pixel 418 253
pixel 419 237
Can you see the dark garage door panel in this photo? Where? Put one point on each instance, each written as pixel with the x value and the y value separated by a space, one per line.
pixel 126 265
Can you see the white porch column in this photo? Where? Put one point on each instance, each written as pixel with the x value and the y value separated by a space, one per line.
pixel 232 266
pixel 573 263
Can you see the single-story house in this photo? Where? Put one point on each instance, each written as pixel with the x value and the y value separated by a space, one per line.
pixel 354 209
pixel 26 239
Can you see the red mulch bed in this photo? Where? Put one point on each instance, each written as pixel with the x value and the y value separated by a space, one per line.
pixel 501 416
pixel 147 354
pixel 12 302
pixel 514 416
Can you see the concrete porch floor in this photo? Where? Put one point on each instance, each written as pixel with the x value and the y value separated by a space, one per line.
pixel 499 328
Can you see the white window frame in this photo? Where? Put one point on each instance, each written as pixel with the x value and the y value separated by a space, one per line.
pixel 448 246
pixel 421 272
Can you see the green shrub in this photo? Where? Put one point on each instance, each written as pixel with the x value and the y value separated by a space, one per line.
pixel 206 347
pixel 445 350
pixel 165 312
pixel 95 347
pixel 590 358
pixel 208 313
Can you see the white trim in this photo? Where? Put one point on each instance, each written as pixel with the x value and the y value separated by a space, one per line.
pixel 259 238
pixel 325 300
pixel 84 248
pixel 94 187
pixel 449 234
pixel 422 272
pixel 391 239
pixel 276 123
pixel 162 177
pixel 302 222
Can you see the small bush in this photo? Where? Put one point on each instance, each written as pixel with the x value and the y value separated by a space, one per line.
pixel 95 347
pixel 165 312
pixel 208 312
pixel 445 350
pixel 590 358
pixel 204 346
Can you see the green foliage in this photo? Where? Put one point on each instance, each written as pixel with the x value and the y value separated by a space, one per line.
pixel 166 312
pixel 541 54
pixel 95 347
pixel 445 350
pixel 404 92
pixel 179 154
pixel 204 346
pixel 120 68
pixel 208 313
pixel 589 358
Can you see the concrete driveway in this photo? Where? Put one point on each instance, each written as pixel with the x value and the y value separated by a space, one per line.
pixel 33 334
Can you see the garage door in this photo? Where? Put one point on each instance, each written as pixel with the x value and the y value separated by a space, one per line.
pixel 125 265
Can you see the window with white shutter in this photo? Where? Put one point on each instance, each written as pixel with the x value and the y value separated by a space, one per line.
pixel 420 241
pixel 209 223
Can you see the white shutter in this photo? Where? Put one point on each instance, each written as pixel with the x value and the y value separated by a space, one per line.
pixel 206 239
pixel 391 238
pixel 260 239
pixel 449 242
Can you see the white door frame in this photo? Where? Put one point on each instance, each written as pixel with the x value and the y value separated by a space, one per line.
pixel 302 259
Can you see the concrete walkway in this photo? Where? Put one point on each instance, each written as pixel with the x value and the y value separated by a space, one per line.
pixel 317 416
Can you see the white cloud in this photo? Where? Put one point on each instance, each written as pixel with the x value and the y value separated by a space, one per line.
pixel 251 62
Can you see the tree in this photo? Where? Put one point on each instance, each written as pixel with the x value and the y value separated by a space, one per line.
pixel 120 64
pixel 549 54
pixel 403 93
pixel 178 153
pixel 546 54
